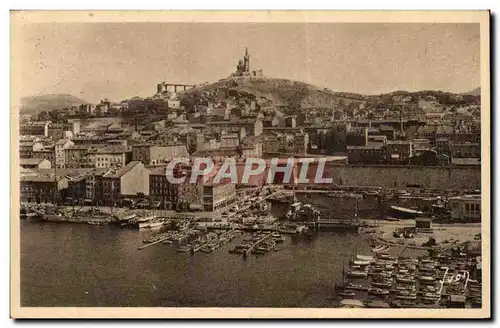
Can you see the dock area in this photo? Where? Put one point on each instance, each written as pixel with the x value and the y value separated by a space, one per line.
pixel 385 280
pixel 208 242
pixel 251 248
pixel 152 243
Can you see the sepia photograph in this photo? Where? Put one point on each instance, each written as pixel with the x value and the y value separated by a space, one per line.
pixel 250 164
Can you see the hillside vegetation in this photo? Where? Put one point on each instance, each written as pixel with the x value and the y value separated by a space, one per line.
pixel 294 96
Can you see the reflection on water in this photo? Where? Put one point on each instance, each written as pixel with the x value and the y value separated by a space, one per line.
pixel 83 265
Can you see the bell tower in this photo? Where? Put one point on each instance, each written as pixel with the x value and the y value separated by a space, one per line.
pixel 246 61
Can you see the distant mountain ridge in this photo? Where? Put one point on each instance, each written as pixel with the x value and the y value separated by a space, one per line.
pixel 475 92
pixel 36 104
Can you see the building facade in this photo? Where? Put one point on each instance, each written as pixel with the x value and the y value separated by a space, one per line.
pixel 46 153
pixel 466 207
pixel 113 156
pixel 79 157
pixel 372 153
pixel 94 186
pixel 465 150
pixel 156 155
pixel 35 163
pixel 172 195
pixel 34 129
pixel 130 181
pixel 41 189
pixel 218 196
pixel 399 152
pixel 59 147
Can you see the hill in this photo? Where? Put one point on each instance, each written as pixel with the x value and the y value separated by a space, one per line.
pixel 36 104
pixel 294 96
pixel 475 92
pixel 288 94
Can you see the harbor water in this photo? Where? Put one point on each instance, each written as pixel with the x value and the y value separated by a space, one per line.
pixel 100 266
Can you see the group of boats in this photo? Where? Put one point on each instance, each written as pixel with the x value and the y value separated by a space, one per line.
pixel 76 214
pixel 173 236
pixel 195 240
pixel 213 240
pixel 166 236
pixel 151 222
pixel 409 282
pixel 401 281
pixel 259 243
pixel 475 292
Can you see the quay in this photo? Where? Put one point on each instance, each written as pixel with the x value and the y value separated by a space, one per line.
pixel 252 229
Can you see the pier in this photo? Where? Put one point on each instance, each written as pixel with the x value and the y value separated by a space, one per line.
pixel 250 249
pixel 153 243
pixel 197 248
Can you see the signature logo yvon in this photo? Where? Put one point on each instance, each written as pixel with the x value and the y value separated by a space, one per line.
pixel 270 171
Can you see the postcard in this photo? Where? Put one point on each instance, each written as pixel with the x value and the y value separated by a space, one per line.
pixel 250 164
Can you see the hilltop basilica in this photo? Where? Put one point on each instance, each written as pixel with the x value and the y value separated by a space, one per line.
pixel 243 68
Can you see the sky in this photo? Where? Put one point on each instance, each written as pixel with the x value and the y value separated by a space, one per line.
pixel 118 61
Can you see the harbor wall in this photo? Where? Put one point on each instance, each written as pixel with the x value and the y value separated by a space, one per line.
pixel 402 177
pixel 387 176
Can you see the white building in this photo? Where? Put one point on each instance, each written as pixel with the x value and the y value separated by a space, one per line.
pixel 59 148
pixel 467 207
pixel 112 156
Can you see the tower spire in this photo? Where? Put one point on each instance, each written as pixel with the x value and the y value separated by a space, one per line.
pixel 247 60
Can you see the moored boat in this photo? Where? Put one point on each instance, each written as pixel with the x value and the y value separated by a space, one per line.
pixel 97 222
pixel 407 296
pixel 184 249
pixel 384 256
pixel 405 287
pixel 425 279
pixel 356 286
pixel 155 224
pixel 357 273
pixel 365 258
pixel 361 262
pixel 346 293
pixel 351 303
pixel 404 213
pixel 382 284
pixel 378 291
pixel 405 279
